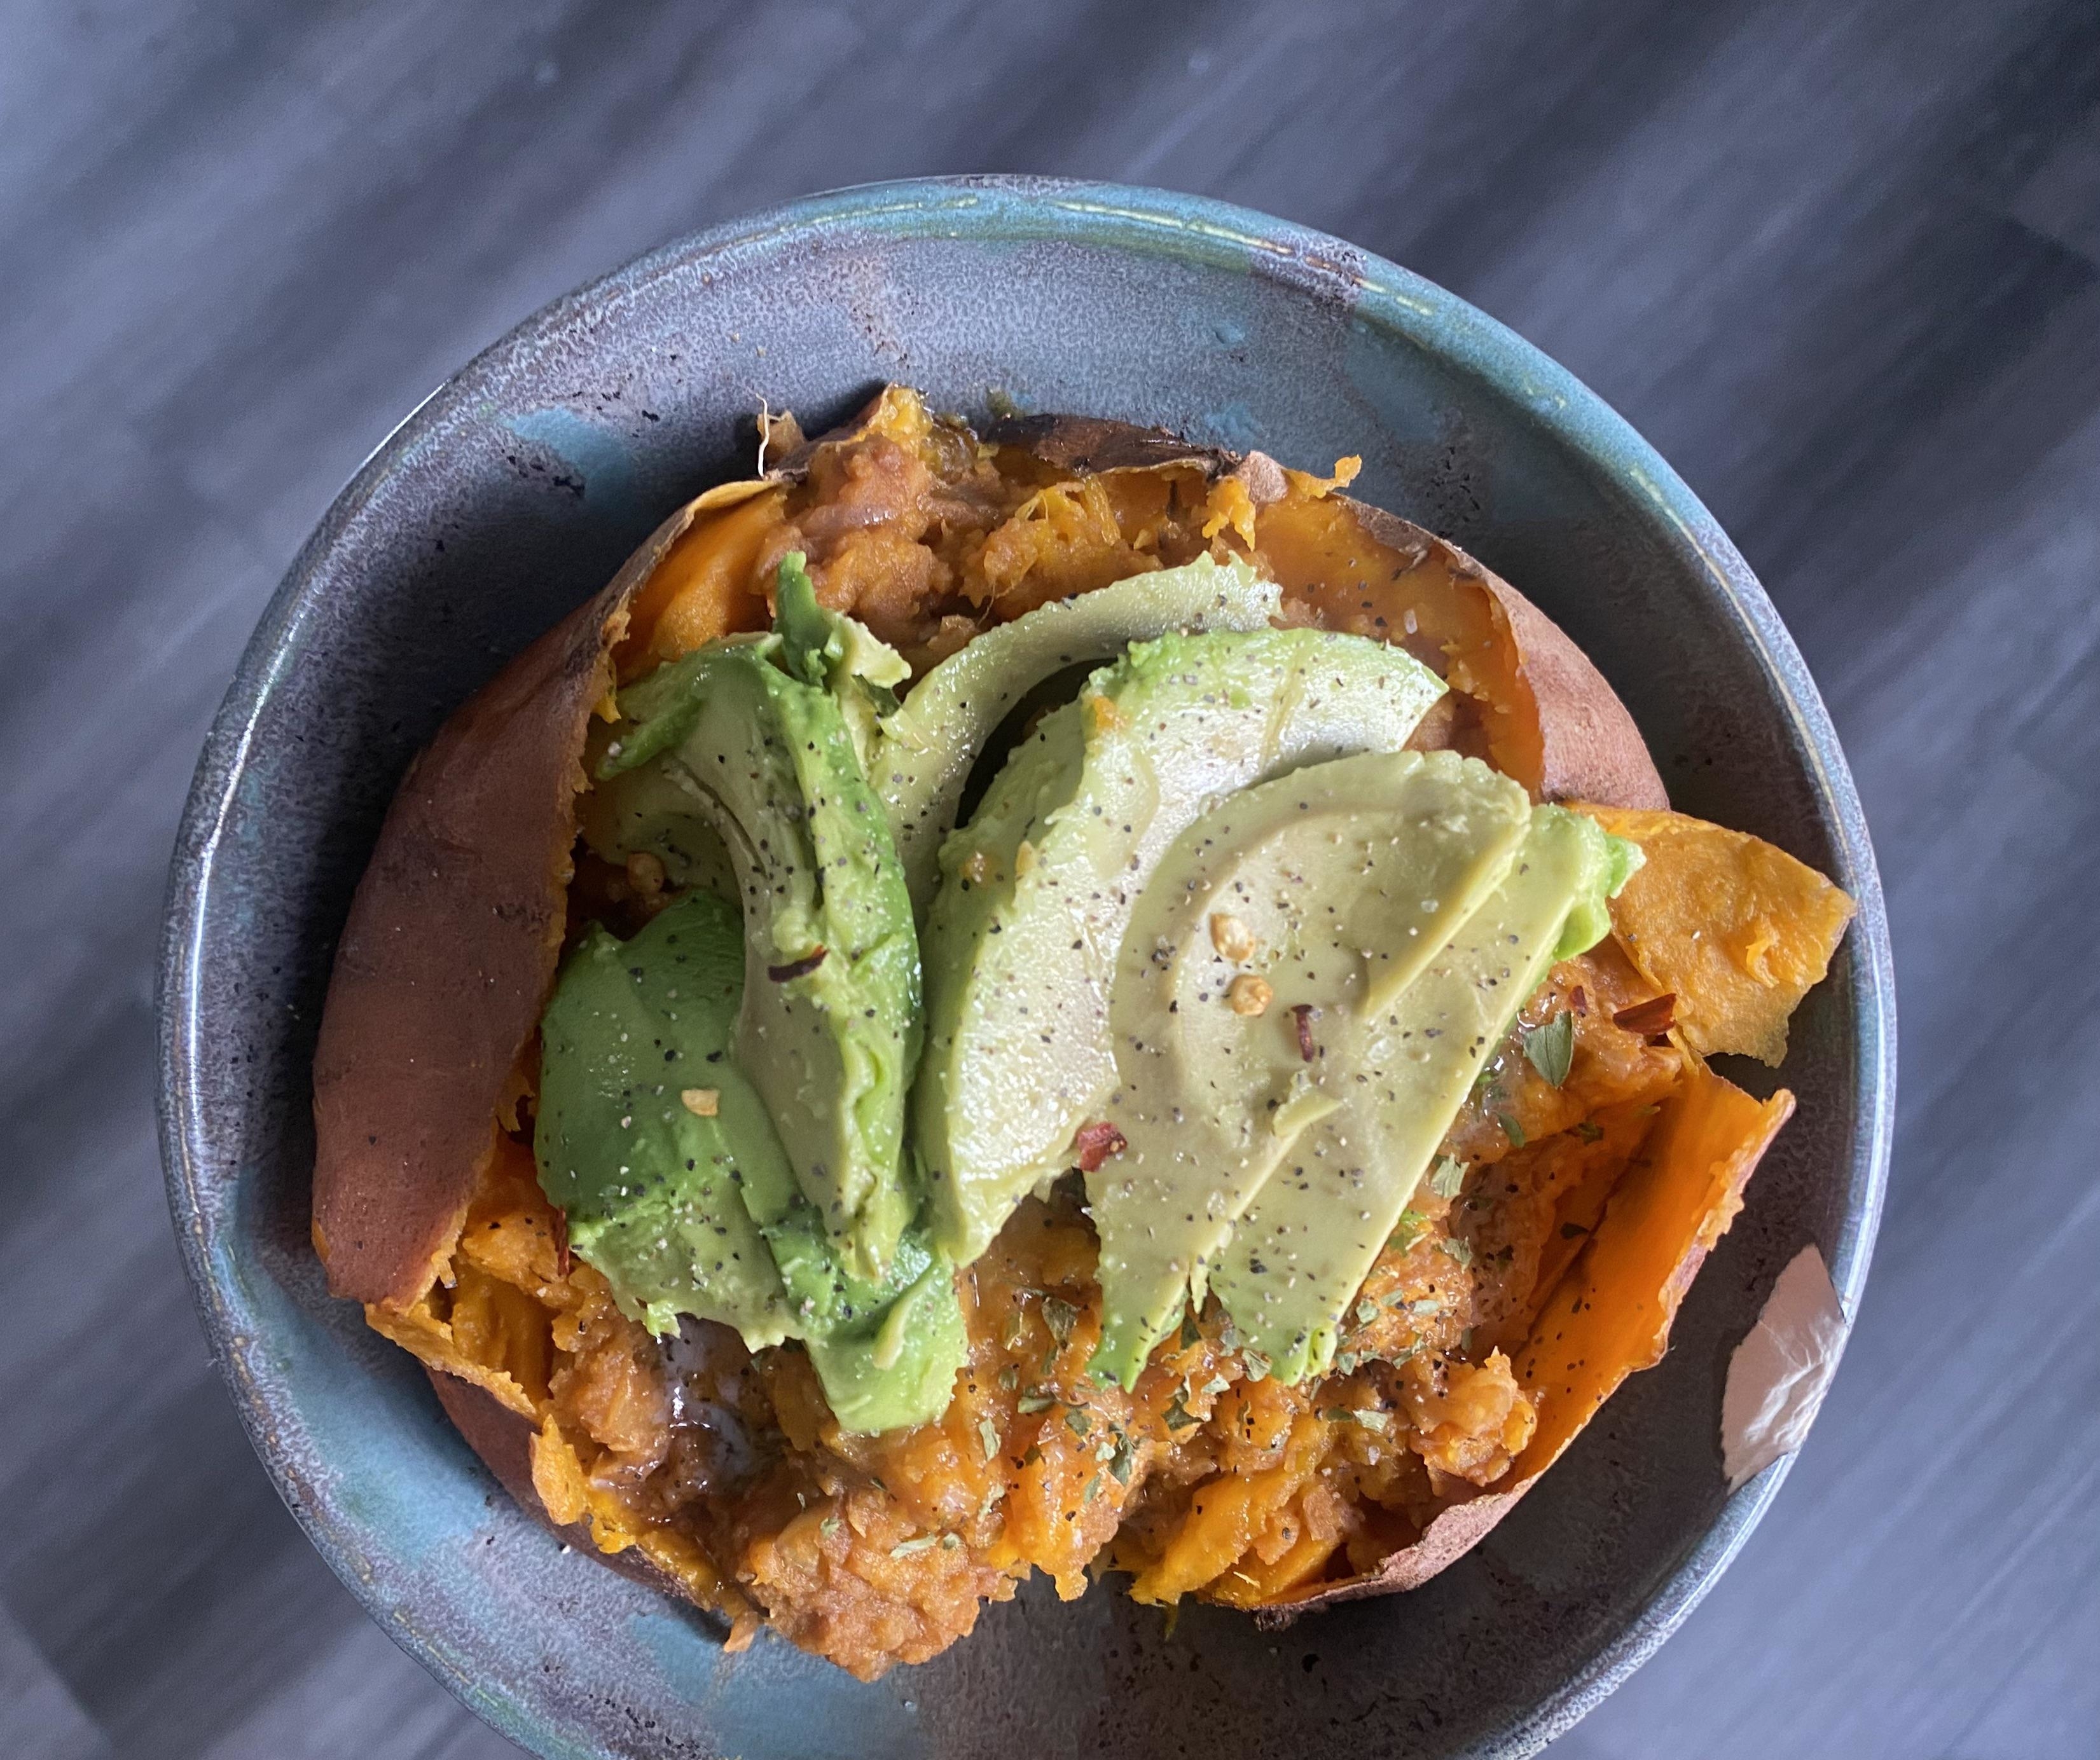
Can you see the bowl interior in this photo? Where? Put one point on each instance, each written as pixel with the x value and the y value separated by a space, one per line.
pixel 516 491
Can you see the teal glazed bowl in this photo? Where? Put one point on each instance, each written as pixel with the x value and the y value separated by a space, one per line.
pixel 516 490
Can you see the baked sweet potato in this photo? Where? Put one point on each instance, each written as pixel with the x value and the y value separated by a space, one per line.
pixel 427 1210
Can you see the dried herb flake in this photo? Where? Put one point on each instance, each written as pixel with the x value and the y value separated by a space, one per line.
pixel 1060 1316
pixel 1550 1049
pixel 1369 1417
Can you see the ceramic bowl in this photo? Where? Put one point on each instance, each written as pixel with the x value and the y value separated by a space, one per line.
pixel 516 489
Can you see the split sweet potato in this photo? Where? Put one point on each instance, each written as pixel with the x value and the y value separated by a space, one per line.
pixel 911 524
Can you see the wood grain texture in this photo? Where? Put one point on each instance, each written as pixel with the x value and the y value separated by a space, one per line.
pixel 1840 262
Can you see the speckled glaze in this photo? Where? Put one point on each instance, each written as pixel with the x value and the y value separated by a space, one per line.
pixel 516 489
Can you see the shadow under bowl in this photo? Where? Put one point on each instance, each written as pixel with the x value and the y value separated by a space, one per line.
pixel 516 490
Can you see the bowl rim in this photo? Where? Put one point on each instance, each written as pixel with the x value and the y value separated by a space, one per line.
pixel 1145 221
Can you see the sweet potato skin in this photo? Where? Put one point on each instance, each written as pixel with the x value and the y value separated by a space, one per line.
pixel 1087 445
pixel 446 958
pixel 1592 749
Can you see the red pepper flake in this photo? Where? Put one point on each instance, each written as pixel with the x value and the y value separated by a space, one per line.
pixel 563 1260
pixel 1658 1014
pixel 1095 1142
pixel 1301 1014
pixel 1578 999
pixel 794 968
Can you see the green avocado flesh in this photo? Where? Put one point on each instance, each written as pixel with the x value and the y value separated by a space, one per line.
pixel 928 746
pixel 1399 1073
pixel 1334 886
pixel 723 743
pixel 663 1201
pixel 1021 940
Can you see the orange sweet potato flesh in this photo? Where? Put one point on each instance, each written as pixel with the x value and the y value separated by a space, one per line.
pixel 1738 931
pixel 1610 1315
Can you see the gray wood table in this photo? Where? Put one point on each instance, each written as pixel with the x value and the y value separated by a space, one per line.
pixel 1841 262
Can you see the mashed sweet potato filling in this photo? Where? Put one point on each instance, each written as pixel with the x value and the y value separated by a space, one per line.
pixel 727 1469
pixel 1209 1478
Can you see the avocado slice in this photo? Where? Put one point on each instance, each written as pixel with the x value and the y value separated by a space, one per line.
pixel 1301 1252
pixel 887 1352
pixel 1329 889
pixel 660 1198
pixel 928 746
pixel 648 809
pixel 727 739
pixel 1021 940
pixel 838 653
pixel 665 1157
